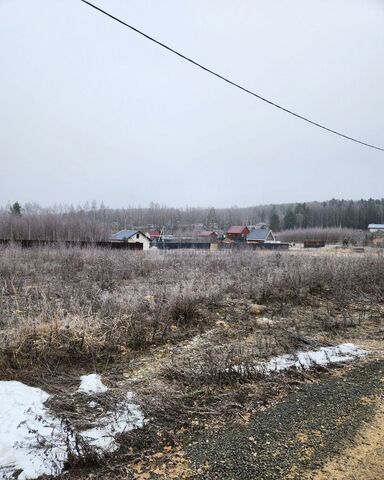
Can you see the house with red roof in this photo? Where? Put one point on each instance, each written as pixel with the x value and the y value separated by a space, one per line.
pixel 154 234
pixel 237 232
pixel 208 234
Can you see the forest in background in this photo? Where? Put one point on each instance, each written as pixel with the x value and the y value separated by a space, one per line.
pixel 94 222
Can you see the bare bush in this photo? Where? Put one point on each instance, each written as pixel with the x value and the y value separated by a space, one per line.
pixel 60 306
pixel 220 365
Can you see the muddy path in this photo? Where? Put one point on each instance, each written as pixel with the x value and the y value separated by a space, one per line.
pixel 322 431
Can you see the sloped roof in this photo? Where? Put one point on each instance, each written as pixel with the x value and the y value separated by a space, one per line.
pixel 124 234
pixel 236 229
pixel 207 233
pixel 376 225
pixel 154 233
pixel 259 234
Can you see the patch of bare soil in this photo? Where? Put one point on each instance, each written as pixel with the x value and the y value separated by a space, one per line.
pixel 365 460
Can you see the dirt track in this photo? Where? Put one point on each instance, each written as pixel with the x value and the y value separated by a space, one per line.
pixel 322 426
pixel 365 460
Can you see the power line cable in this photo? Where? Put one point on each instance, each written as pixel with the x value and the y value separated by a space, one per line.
pixel 227 80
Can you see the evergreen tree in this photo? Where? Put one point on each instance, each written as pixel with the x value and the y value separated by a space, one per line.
pixel 289 221
pixel 274 222
pixel 211 219
pixel 15 209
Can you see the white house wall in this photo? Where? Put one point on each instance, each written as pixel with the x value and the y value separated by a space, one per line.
pixel 142 239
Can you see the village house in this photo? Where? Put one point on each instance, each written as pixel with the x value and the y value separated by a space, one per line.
pixel 131 236
pixel 208 234
pixel 376 227
pixel 237 232
pixel 260 235
pixel 377 237
pixel 154 235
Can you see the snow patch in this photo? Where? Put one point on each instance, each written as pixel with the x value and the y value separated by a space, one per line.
pixel 345 352
pixel 92 384
pixel 33 441
pixel 25 426
pixel 127 418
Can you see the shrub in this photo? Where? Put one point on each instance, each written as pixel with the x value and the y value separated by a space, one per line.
pixel 60 306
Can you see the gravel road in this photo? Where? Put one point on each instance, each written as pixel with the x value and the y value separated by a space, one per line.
pixel 297 435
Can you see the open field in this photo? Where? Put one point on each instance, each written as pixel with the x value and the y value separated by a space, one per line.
pixel 191 333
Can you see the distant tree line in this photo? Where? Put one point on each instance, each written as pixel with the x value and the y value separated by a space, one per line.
pixel 93 221
pixel 347 236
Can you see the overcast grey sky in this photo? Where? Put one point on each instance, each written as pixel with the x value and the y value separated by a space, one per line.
pixel 90 110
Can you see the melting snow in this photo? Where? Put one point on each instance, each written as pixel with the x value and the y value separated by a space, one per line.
pixel 25 426
pixel 344 352
pixel 103 435
pixel 33 441
pixel 92 384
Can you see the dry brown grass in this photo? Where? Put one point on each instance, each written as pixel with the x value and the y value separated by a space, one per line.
pixel 63 307
pixel 173 327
